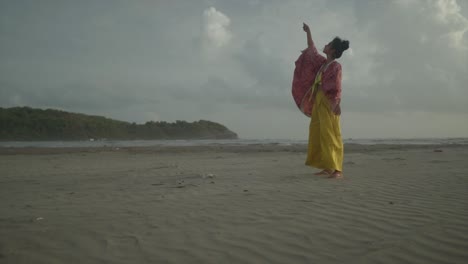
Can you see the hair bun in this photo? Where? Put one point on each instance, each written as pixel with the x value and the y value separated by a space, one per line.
pixel 344 45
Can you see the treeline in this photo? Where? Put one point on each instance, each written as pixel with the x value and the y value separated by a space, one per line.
pixel 25 123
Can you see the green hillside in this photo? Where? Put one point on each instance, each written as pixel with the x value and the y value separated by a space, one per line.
pixel 25 123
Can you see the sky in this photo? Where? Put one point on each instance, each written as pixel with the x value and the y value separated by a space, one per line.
pixel 404 76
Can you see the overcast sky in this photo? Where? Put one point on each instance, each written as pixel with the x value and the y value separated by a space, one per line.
pixel 405 75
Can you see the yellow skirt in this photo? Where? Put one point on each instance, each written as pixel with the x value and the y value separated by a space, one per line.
pixel 325 150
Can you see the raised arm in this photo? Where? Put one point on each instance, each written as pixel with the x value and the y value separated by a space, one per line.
pixel 310 42
pixel 307 66
pixel 306 29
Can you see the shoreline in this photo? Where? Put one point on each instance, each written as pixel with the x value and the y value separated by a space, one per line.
pixel 252 148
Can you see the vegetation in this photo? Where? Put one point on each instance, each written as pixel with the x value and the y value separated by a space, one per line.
pixel 25 123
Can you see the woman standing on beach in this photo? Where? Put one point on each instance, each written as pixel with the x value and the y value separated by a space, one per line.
pixel 317 91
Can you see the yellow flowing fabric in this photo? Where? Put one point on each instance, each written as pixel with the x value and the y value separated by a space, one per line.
pixel 325 150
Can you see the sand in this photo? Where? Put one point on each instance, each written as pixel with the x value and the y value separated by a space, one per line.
pixel 233 204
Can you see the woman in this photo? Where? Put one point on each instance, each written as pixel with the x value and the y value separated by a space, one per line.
pixel 317 92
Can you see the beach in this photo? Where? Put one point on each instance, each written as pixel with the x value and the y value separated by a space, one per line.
pixel 233 204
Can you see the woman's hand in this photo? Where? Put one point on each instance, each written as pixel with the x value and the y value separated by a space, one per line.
pixel 306 28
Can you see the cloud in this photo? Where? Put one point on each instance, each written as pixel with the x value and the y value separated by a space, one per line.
pixel 414 56
pixel 215 28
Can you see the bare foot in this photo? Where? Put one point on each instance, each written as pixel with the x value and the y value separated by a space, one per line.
pixel 336 175
pixel 324 172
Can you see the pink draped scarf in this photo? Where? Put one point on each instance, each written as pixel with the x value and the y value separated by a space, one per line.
pixel 307 66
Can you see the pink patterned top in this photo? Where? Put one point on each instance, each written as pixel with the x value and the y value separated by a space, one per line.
pixel 308 66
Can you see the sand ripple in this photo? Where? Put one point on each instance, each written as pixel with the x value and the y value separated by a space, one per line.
pixel 394 206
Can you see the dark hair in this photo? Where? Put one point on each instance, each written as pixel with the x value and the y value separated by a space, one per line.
pixel 339 46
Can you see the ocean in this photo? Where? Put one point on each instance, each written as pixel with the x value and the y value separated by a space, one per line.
pixel 211 142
